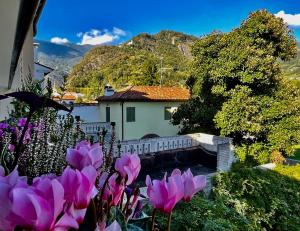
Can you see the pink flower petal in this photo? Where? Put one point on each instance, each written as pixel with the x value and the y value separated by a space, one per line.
pixel 65 223
pixel 2 171
pixel 200 182
pixel 114 227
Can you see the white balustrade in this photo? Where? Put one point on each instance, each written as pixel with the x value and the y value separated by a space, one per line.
pixel 92 128
pixel 153 145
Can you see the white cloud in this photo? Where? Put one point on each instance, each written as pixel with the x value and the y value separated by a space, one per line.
pixel 79 34
pixel 118 31
pixel 98 37
pixel 59 40
pixel 290 19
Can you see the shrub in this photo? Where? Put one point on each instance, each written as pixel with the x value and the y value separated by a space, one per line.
pixel 267 198
pixel 204 214
pixel 244 199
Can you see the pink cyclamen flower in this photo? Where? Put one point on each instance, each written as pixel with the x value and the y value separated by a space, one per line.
pixel 79 185
pixel 38 207
pixel 85 155
pixel 163 194
pixel 112 227
pixel 35 207
pixel 79 189
pixel 7 183
pixel 129 166
pixel 192 184
pixel 113 189
pixel 2 171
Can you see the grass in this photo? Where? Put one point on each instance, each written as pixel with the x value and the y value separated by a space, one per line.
pixel 296 156
pixel 290 171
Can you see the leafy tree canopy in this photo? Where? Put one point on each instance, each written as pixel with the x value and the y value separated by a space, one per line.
pixel 239 87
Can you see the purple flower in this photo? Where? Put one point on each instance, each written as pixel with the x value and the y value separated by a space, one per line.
pixel 22 122
pixel 11 147
pixel 129 166
pixel 4 125
pixel 85 155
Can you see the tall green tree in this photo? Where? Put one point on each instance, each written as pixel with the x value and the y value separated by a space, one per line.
pixel 240 86
pixel 149 68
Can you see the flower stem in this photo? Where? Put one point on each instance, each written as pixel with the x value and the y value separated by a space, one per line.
pixel 153 219
pixel 169 221
pixel 18 148
pixel 101 195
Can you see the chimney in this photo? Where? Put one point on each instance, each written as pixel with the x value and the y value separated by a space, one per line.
pixel 35 51
pixel 108 90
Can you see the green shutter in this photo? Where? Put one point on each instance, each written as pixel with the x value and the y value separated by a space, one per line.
pixel 168 113
pixel 130 114
pixel 107 114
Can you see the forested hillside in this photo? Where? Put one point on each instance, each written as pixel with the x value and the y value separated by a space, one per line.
pixel 137 62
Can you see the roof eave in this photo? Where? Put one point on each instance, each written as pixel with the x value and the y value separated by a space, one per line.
pixel 27 14
pixel 142 100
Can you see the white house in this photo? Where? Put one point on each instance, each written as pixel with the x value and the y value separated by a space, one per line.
pixel 41 71
pixel 142 111
pixel 18 20
pixel 67 97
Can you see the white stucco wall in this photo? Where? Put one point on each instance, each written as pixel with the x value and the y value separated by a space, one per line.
pixel 25 68
pixel 149 119
pixel 39 71
pixel 115 116
pixel 87 113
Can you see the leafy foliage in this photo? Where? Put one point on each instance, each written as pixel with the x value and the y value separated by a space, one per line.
pixel 204 214
pixel 267 198
pixel 239 88
pixel 243 199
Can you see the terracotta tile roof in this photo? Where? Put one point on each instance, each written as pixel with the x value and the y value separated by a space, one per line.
pixel 69 96
pixel 149 93
pixel 66 96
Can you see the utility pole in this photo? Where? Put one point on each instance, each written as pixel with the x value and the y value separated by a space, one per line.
pixel 161 70
pixel 161 59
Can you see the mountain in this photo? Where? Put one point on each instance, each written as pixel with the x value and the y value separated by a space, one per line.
pixel 141 61
pixel 60 57
pixel 137 61
pixel 292 68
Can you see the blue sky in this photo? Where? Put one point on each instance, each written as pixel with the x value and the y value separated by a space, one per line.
pixel 116 21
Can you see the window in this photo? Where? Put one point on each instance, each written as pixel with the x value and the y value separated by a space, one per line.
pixel 130 114
pixel 107 114
pixel 168 113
